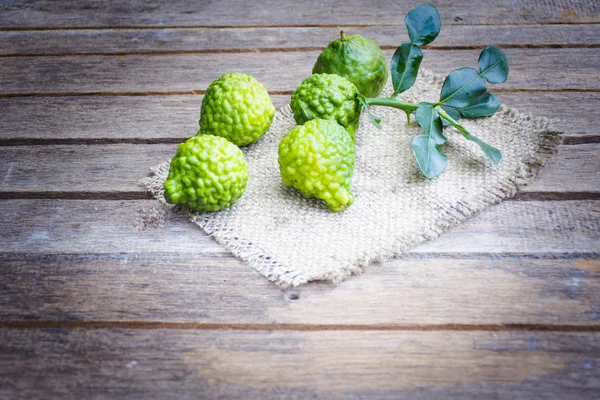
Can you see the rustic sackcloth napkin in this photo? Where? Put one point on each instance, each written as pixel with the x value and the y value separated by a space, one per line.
pixel 292 240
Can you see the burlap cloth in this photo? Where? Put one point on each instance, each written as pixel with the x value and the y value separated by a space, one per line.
pixel 292 240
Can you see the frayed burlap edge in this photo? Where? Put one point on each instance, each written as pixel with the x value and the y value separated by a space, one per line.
pixel 281 275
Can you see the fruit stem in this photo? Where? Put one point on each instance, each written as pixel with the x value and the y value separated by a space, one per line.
pixel 392 102
pixel 342 36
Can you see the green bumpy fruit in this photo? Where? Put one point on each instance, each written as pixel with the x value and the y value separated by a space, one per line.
pixel 317 158
pixel 358 59
pixel 237 107
pixel 208 173
pixel 327 96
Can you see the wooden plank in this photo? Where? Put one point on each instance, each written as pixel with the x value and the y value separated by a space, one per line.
pixel 550 227
pixel 119 41
pixel 536 228
pixel 81 168
pixel 103 117
pixel 400 292
pixel 100 168
pixel 52 14
pixel 186 73
pixel 571 164
pixel 183 364
pixel 155 118
pixel 97 226
pixel 573 113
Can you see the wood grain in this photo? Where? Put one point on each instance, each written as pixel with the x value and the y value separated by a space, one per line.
pixel 186 73
pixel 123 41
pixel 405 292
pixel 33 120
pixel 448 320
pixel 88 13
pixel 100 168
pixel 181 364
pixel 537 229
pixel 572 113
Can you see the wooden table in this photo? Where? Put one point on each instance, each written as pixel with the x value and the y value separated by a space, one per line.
pixel 99 301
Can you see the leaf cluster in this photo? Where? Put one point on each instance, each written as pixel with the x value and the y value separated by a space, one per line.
pixel 464 92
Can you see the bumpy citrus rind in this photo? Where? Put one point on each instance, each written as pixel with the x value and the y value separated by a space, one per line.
pixel 208 173
pixel 237 107
pixel 317 158
pixel 327 96
pixel 358 59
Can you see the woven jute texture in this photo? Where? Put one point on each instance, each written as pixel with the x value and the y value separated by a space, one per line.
pixel 292 240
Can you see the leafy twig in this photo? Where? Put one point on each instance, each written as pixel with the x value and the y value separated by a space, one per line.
pixel 464 92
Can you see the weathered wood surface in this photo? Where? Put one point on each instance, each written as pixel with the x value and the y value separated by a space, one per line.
pixel 534 228
pixel 461 317
pixel 111 169
pixel 187 73
pixel 401 293
pixel 123 41
pixel 155 118
pixel 22 14
pixel 183 364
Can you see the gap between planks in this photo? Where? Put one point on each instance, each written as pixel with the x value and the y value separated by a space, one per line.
pixel 292 327
pixel 568 139
pixel 271 92
pixel 142 195
pixel 163 27
pixel 150 256
pixel 295 50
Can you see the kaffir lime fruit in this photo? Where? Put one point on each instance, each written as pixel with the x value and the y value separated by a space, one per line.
pixel 208 173
pixel 327 96
pixel 237 107
pixel 357 59
pixel 317 158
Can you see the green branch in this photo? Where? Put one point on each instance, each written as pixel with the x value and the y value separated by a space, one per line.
pixel 392 102
pixel 452 121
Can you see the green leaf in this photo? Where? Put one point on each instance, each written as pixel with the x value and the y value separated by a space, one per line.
pixel 492 152
pixel 431 122
pixel 493 65
pixel 374 120
pixel 483 106
pixel 423 24
pixel 405 65
pixel 461 87
pixel 430 159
